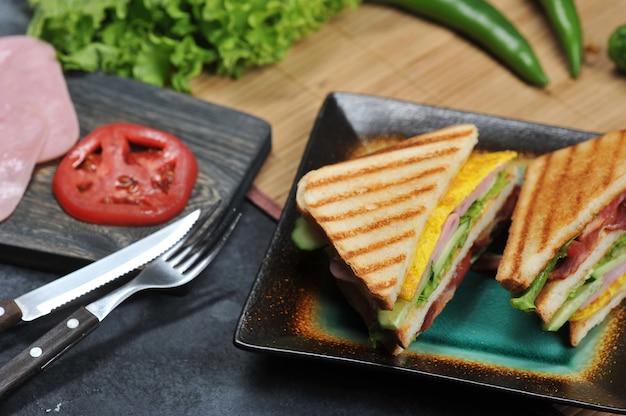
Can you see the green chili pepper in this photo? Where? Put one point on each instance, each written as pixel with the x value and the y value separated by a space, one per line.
pixel 564 19
pixel 485 25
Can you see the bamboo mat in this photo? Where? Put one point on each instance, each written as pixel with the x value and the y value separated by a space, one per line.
pixel 382 51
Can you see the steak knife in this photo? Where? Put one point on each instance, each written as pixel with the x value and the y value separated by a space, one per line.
pixel 43 300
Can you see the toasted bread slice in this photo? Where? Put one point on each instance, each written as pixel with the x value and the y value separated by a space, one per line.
pixel 579 329
pixel 561 194
pixel 373 208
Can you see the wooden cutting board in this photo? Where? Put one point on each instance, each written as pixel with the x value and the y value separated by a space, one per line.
pixel 382 51
pixel 230 147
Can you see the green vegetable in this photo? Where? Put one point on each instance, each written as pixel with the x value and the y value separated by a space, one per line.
pixel 565 22
pixel 572 304
pixel 443 262
pixel 526 300
pixel 487 26
pixel 617 47
pixel 613 258
pixel 394 318
pixel 168 42
pixel 305 237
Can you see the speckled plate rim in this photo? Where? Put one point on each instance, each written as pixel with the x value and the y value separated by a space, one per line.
pixel 291 310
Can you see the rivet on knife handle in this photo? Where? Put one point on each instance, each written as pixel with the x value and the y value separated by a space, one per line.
pixel 46 349
pixel 10 314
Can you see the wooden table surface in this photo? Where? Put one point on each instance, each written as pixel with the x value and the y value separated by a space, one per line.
pixel 379 50
pixel 382 51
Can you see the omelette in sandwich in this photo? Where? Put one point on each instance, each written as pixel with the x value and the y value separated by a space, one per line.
pixel 403 224
pixel 565 256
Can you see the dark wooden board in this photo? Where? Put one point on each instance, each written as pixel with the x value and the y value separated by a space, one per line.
pixel 230 147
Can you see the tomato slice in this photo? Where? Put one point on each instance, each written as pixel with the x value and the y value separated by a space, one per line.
pixel 126 174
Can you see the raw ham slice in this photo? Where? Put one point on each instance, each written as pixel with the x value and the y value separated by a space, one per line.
pixel 31 77
pixel 22 133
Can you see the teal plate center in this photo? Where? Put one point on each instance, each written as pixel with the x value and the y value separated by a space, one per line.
pixel 478 325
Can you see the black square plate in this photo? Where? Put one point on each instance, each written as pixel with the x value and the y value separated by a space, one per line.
pixel 294 307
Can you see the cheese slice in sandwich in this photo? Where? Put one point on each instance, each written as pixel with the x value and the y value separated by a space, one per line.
pixel 566 241
pixel 375 211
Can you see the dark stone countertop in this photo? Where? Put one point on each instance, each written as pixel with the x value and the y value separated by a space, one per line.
pixel 173 354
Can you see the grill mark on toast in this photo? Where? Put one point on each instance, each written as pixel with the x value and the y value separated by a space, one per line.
pixel 371 268
pixel 374 187
pixel 375 169
pixel 611 172
pixel 622 138
pixel 383 222
pixel 589 164
pixel 428 139
pixel 379 244
pixel 582 154
pixel 379 205
pixel 553 202
pixel 516 263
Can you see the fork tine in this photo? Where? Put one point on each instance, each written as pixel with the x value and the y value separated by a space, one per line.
pixel 200 239
pixel 197 231
pixel 206 250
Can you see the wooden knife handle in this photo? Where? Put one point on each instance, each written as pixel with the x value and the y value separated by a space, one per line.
pixel 10 314
pixel 46 349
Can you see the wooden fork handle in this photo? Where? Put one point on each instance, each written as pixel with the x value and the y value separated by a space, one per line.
pixel 46 350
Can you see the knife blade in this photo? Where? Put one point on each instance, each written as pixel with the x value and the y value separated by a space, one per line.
pixel 43 300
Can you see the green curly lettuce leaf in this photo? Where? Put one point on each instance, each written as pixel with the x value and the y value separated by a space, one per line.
pixel 168 42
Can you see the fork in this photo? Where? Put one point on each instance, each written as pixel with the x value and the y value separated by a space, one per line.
pixel 176 267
